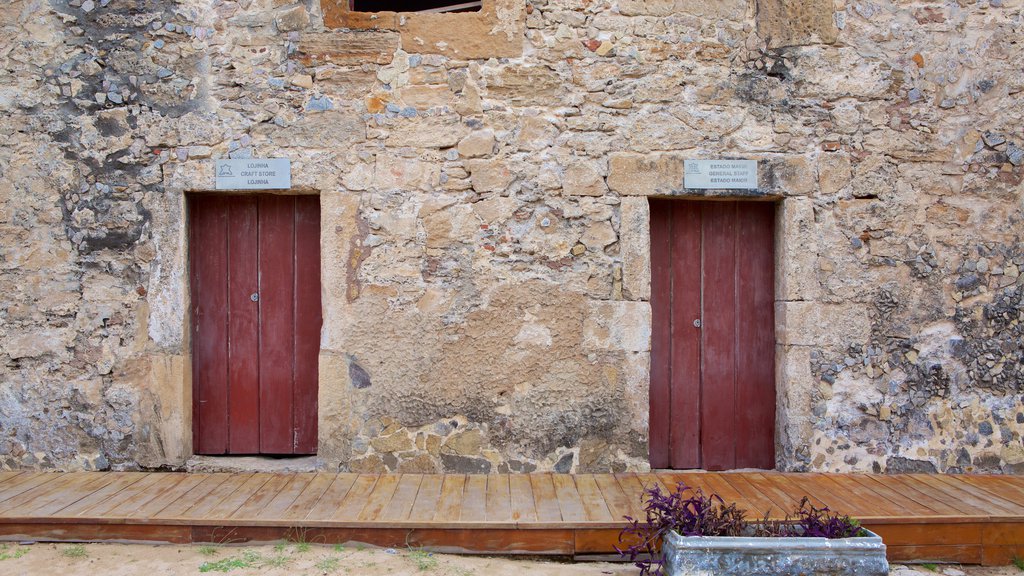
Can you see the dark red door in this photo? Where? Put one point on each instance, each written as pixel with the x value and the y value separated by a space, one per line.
pixel 256 316
pixel 713 335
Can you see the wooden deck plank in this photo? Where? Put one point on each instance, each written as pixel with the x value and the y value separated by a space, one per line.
pixel 474 499
pixel 763 504
pixel 144 504
pixel 618 503
pixel 405 496
pixel 545 499
pixel 427 498
pixel 594 505
pixel 499 498
pixel 67 497
pixel 974 495
pixel 998 485
pixel 331 501
pixel 786 502
pixel 9 474
pixel 568 497
pixel 181 506
pixel 908 506
pixel 913 491
pixel 862 502
pixel 203 507
pixel 523 508
pixel 650 480
pixel 28 482
pixel 130 498
pixel 99 501
pixel 226 507
pixel 634 492
pixel 310 495
pixel 379 498
pixel 789 484
pixel 922 517
pixel 254 504
pixel 44 492
pixel 964 497
pixel 450 504
pixel 277 506
pixel 823 493
pixel 355 499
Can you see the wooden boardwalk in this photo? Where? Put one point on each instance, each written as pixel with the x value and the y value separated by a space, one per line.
pixel 977 519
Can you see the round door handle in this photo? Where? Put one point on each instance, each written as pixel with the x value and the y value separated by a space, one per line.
pixel 255 297
pixel 696 323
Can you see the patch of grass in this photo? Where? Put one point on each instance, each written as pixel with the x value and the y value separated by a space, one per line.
pixel 423 560
pixel 208 550
pixel 302 547
pixel 280 547
pixel 328 564
pixel 248 559
pixel 1019 563
pixel 7 554
pixel 276 561
pixel 929 567
pixel 74 551
pixel 339 548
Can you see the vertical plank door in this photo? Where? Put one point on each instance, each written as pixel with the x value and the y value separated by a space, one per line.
pixel 713 339
pixel 256 318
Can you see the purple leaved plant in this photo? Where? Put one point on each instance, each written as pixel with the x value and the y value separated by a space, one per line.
pixel 690 512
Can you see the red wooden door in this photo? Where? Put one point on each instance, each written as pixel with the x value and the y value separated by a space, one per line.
pixel 256 316
pixel 713 335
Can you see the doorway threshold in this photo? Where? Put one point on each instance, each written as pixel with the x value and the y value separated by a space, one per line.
pixel 252 464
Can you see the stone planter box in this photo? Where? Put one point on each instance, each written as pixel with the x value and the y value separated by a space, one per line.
pixel 739 556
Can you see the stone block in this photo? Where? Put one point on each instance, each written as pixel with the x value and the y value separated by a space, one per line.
pixel 584 178
pixel 732 9
pixel 489 175
pixel 493 32
pixel 796 22
pixel 476 144
pixel 635 247
pixel 834 172
pixel 292 18
pixel 347 47
pixel 797 251
pixel 521 85
pixel 427 132
pixel 822 325
pixel 396 173
pixel 645 175
pixel 617 326
pixel 599 235
pixel 785 176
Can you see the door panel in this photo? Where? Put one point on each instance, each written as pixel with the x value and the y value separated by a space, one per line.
pixel 718 326
pixel 209 273
pixel 243 321
pixel 661 335
pixel 277 323
pixel 307 320
pixel 712 262
pixel 255 271
pixel 684 440
pixel 755 330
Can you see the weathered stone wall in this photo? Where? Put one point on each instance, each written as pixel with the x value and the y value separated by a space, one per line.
pixel 485 222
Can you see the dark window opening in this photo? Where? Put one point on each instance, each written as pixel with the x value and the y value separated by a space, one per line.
pixel 414 6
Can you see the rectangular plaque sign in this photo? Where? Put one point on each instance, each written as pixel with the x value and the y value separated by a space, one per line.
pixel 723 174
pixel 253 174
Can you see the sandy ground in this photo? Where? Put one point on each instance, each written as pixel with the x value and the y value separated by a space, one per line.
pixel 311 559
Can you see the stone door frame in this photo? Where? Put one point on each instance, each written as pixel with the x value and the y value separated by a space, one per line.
pixel 793 379
pixel 168 294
